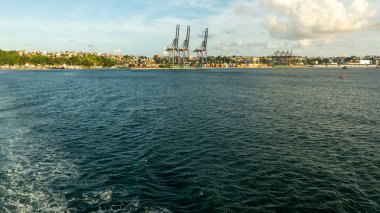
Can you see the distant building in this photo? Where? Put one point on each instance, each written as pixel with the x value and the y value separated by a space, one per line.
pixel 282 58
pixel 376 61
pixel 157 58
pixel 255 60
pixel 365 62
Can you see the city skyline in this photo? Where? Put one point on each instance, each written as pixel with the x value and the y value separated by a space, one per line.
pixel 241 27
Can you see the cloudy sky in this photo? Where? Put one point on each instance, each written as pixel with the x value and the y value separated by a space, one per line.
pixel 236 27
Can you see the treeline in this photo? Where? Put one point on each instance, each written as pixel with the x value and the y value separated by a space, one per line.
pixel 87 60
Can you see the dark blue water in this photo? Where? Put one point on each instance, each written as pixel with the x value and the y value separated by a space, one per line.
pixel 190 141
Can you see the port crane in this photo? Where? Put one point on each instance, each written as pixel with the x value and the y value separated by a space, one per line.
pixel 184 54
pixel 202 50
pixel 173 48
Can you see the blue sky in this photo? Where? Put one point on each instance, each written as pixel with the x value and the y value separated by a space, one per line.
pixel 236 27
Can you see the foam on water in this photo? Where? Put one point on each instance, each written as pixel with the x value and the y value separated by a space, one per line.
pixel 102 202
pixel 30 164
pixel 132 207
pixel 30 170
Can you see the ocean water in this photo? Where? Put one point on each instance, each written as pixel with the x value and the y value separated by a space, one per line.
pixel 260 140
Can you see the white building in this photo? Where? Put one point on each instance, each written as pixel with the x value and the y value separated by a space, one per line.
pixel 376 61
pixel 365 62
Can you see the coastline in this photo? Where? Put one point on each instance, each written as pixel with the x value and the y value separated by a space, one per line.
pixel 193 68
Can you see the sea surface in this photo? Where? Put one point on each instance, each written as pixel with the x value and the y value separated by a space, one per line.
pixel 263 140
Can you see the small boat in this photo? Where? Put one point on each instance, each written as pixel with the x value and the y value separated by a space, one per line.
pixel 341 76
pixel 345 67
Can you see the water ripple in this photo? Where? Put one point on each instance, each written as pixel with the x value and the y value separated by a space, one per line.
pixel 191 141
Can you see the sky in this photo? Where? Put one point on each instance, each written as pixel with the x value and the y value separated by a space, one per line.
pixel 236 27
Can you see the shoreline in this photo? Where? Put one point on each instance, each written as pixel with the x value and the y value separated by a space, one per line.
pixel 199 68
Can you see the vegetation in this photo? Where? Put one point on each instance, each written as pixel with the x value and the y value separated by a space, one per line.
pixel 86 60
pixel 11 58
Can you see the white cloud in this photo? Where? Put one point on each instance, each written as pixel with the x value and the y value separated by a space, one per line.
pixel 245 8
pixel 241 46
pixel 306 43
pixel 207 4
pixel 305 20
pixel 237 46
pixel 270 45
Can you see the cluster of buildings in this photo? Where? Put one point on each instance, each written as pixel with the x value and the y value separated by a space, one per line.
pixel 352 61
pixel 288 59
pixel 67 54
pixel 284 58
pixel 214 61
